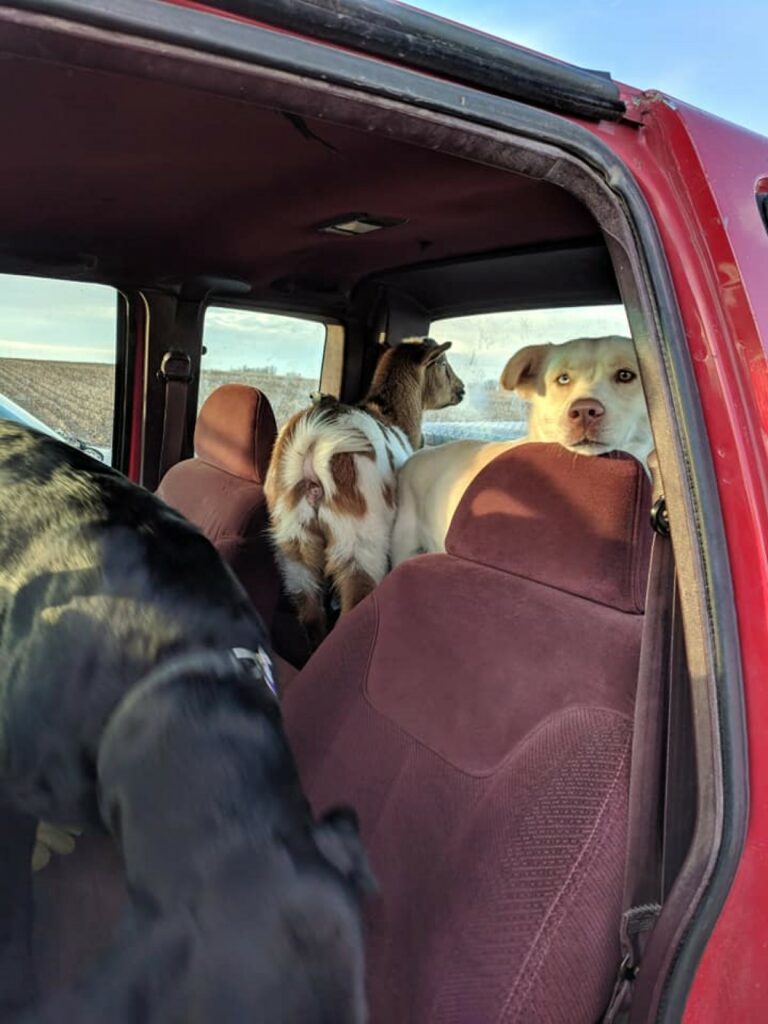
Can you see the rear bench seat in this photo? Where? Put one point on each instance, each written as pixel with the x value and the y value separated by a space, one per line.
pixel 221 491
pixel 476 709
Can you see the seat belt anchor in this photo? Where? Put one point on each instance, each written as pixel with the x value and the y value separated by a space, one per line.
pixel 660 517
pixel 628 970
pixel 175 366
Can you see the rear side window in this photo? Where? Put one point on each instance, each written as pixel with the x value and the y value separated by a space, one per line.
pixel 58 345
pixel 280 355
pixel 483 343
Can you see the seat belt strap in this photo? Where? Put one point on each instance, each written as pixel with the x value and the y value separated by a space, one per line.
pixel 176 374
pixel 642 897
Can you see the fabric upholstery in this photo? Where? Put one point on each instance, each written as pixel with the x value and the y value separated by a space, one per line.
pixel 17 966
pixel 519 520
pixel 220 490
pixel 78 901
pixel 478 716
pixel 235 431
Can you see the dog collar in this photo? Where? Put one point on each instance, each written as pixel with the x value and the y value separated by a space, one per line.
pixel 258 662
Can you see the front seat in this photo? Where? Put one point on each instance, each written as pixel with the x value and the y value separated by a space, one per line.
pixel 221 490
pixel 476 710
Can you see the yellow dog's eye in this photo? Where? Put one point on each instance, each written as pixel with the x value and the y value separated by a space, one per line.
pixel 564 378
pixel 625 376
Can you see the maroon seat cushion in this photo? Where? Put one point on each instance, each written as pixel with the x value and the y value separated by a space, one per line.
pixel 78 900
pixel 478 715
pixel 576 523
pixel 221 489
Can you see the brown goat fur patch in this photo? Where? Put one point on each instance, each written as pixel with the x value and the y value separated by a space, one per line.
pixel 352 585
pixel 390 495
pixel 347 498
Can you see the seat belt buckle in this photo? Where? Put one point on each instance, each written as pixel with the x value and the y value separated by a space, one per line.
pixel 660 517
pixel 175 367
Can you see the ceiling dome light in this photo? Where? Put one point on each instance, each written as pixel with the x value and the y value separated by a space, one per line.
pixel 358 224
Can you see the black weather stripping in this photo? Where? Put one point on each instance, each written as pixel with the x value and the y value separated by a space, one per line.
pixel 429 43
pixel 445 56
pixel 762 205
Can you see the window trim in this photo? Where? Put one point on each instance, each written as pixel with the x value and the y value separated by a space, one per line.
pixel 120 351
pixel 125 360
pixel 333 356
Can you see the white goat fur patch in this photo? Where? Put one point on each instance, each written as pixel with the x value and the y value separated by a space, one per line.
pixel 360 542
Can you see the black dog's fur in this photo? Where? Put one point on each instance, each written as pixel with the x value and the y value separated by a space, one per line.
pixel 122 706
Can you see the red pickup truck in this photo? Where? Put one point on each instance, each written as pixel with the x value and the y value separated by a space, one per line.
pixel 337 173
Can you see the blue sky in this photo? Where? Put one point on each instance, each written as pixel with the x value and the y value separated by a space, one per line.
pixel 710 54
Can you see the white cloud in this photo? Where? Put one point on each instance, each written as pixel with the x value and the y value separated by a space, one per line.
pixel 54 351
pixel 248 321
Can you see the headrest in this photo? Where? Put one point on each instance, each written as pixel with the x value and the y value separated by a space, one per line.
pixel 575 522
pixel 236 430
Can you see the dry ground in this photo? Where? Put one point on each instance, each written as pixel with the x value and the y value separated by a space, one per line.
pixel 73 398
pixel 76 398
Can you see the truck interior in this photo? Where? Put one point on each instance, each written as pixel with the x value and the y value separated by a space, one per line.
pixel 478 708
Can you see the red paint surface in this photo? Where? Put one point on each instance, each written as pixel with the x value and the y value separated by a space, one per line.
pixel 718 250
pixel 700 176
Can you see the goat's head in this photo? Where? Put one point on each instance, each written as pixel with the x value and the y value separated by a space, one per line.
pixel 440 385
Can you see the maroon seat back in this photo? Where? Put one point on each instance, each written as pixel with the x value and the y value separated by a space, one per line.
pixel 476 710
pixel 221 490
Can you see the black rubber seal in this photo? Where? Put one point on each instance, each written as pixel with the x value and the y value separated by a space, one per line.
pixel 429 43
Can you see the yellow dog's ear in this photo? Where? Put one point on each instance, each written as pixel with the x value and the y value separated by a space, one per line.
pixel 521 373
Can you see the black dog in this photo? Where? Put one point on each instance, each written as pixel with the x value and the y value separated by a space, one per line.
pixel 135 696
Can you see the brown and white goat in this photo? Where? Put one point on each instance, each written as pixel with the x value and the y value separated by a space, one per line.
pixel 331 485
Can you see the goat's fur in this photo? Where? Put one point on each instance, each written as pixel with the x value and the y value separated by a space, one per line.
pixel 331 485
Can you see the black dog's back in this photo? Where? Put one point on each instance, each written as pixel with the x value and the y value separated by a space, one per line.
pixel 99 582
pixel 60 510
pixel 126 702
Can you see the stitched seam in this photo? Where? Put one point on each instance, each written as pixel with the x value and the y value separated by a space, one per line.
pixel 369 662
pixel 539 583
pixel 518 747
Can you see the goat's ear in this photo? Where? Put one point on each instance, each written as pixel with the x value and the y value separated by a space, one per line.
pixel 433 354
pixel 522 371
pixel 338 838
